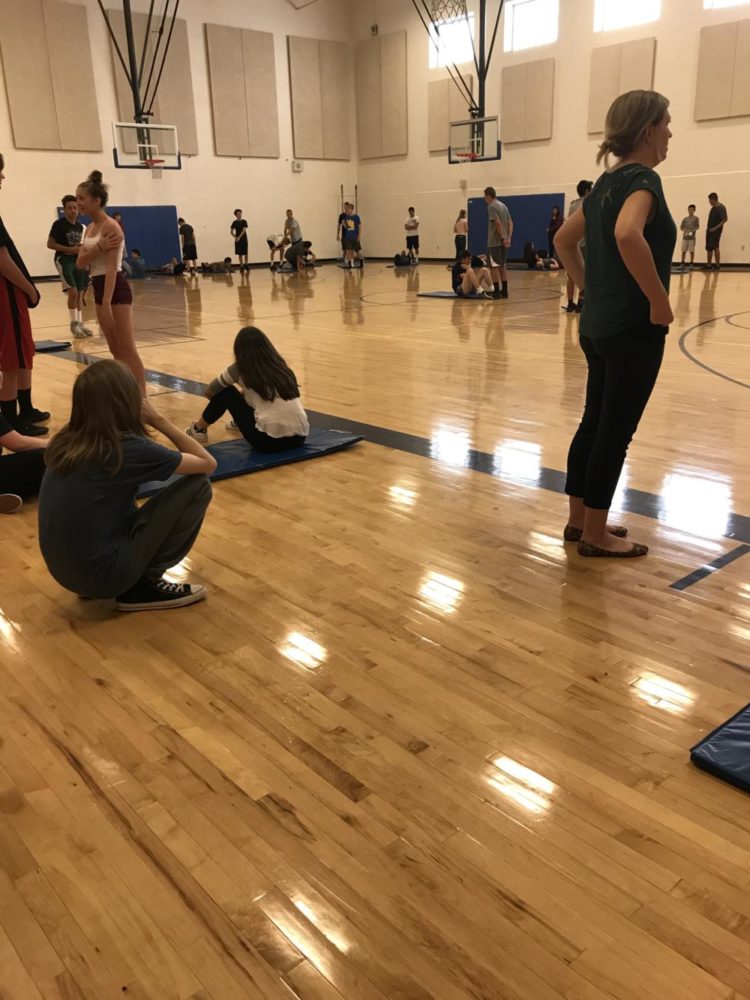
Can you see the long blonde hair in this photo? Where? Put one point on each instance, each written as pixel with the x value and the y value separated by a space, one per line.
pixel 628 118
pixel 106 408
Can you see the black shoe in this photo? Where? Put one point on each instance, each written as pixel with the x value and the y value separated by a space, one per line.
pixel 503 295
pixel 579 307
pixel 569 308
pixel 34 416
pixel 497 295
pixel 150 595
pixel 27 429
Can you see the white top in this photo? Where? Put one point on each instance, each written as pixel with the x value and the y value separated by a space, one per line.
pixel 98 265
pixel 412 223
pixel 279 418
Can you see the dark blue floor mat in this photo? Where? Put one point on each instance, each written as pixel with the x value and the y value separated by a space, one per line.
pixel 725 752
pixel 237 458
pixel 50 346
pixel 449 295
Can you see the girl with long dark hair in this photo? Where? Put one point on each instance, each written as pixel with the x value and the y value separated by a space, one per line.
pixel 555 224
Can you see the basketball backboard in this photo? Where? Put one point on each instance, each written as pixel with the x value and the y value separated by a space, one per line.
pixel 474 139
pixel 140 146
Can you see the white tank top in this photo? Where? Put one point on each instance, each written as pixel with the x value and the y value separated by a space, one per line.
pixel 99 263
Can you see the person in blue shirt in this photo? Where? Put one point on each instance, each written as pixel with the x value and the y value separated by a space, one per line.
pixel 351 228
pixel 137 264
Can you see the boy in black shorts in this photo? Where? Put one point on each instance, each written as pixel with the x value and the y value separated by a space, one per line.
pixel 65 239
pixel 189 248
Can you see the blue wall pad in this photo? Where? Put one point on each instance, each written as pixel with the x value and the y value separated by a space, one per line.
pixel 530 214
pixel 50 346
pixel 150 228
pixel 449 295
pixel 237 458
pixel 725 752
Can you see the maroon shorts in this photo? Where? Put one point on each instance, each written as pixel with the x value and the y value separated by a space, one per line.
pixel 16 342
pixel 121 296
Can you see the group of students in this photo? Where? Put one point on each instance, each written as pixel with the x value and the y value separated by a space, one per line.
pixel 487 276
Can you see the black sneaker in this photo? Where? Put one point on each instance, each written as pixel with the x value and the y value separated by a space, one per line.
pixel 150 595
pixel 569 308
pixel 27 429
pixel 497 295
pixel 34 416
pixel 503 295
pixel 579 307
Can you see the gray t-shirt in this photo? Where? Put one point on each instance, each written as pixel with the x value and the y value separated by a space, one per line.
pixel 294 229
pixel 496 210
pixel 690 226
pixel 86 518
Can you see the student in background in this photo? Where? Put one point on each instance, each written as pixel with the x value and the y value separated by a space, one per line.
pixel 499 237
pixel 21 471
pixel 276 244
pixel 460 230
pixel 542 263
pixel 292 228
pixel 189 248
pixel 94 540
pixel 267 408
pixel 468 280
pixel 412 235
pixel 137 265
pixel 102 250
pixel 583 189
pixel 65 239
pixel 17 295
pixel 717 219
pixel 555 223
pixel 689 228
pixel 238 229
pixel 341 228
pixel 352 230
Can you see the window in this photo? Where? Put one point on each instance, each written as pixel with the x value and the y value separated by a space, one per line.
pixel 452 41
pixel 611 14
pixel 718 4
pixel 530 22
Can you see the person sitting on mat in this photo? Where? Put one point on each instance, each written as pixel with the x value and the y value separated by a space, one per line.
pixel 267 410
pixel 20 472
pixel 469 281
pixel 94 540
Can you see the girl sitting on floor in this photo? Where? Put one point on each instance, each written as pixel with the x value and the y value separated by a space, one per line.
pixel 267 410
pixel 94 539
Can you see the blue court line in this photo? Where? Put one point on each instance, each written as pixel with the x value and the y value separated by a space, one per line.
pixel 700 574
pixel 651 505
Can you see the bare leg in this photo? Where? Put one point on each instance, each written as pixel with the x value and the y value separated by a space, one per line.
pixel 9 388
pixel 717 255
pixel 121 341
pixel 577 515
pixel 470 282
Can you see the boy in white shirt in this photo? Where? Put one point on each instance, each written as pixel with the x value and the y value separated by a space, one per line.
pixel 689 227
pixel 412 236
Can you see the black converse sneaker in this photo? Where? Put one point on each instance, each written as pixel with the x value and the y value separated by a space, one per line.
pixel 155 595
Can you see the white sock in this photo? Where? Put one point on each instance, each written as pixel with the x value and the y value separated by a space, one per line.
pixel 73 316
pixel 78 315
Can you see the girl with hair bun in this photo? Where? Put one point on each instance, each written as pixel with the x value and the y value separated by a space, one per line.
pixel 630 236
pixel 101 251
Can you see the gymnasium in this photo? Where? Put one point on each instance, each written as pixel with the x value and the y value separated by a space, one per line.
pixel 415 743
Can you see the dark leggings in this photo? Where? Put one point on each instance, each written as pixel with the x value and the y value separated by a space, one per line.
pixel 244 416
pixel 622 373
pixel 460 242
pixel 21 472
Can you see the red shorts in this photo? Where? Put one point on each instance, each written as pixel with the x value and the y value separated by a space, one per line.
pixel 121 296
pixel 16 342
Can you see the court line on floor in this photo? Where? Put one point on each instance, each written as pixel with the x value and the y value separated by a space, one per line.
pixel 708 568
pixel 701 364
pixel 634 501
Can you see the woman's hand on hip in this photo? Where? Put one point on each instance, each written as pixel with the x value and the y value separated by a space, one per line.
pixel 661 313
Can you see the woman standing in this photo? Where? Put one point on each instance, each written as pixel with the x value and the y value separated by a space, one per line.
pixel 238 229
pixel 555 224
pixel 630 236
pixel 101 251
pixel 460 229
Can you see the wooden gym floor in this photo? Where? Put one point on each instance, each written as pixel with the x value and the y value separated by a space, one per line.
pixel 411 746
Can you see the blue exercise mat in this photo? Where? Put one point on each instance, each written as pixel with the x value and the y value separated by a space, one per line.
pixel 449 295
pixel 237 458
pixel 725 752
pixel 50 346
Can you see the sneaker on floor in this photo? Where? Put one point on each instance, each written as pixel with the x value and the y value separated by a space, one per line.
pixel 82 331
pixel 10 503
pixel 503 295
pixel 569 308
pixel 197 434
pixel 497 294
pixel 34 416
pixel 231 425
pixel 28 429
pixel 150 595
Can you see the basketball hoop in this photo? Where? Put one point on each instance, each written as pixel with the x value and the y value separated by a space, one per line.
pixel 448 10
pixel 468 157
pixel 156 167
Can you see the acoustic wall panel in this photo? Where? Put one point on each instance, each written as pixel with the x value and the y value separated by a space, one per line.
pixel 49 109
pixel 445 104
pixel 741 83
pixel 616 69
pixel 260 93
pixel 319 85
pixel 381 96
pixel 242 70
pixel 174 103
pixel 527 98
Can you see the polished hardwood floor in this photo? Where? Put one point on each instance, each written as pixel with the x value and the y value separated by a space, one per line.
pixel 412 746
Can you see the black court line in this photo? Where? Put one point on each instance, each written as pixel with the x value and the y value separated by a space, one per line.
pixel 701 364
pixel 700 574
pixel 651 505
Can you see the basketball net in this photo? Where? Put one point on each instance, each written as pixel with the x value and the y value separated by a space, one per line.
pixel 447 10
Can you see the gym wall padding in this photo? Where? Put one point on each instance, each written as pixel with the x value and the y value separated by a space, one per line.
pixel 381 96
pixel 50 107
pixel 319 85
pixel 152 229
pixel 445 104
pixel 174 103
pixel 242 62
pixel 530 213
pixel 723 83
pixel 616 69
